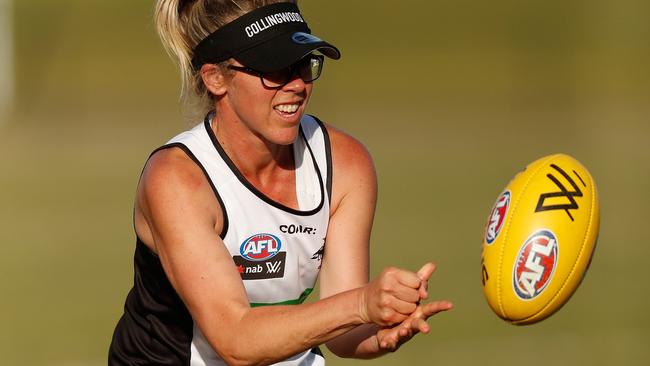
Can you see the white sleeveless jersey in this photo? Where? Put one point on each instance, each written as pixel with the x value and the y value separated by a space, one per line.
pixel 277 249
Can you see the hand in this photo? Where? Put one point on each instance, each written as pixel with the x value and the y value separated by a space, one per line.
pixel 394 295
pixel 390 339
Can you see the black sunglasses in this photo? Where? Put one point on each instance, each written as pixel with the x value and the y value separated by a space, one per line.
pixel 308 68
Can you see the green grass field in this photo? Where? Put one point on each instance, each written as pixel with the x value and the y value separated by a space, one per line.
pixel 451 98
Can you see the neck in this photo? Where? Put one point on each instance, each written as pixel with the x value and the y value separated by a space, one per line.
pixel 258 159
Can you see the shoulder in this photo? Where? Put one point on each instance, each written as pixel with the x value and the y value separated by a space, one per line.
pixel 344 144
pixel 172 167
pixel 348 152
pixel 352 166
pixel 173 184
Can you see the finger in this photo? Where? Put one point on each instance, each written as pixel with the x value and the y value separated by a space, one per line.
pixel 383 337
pixel 423 290
pixel 405 328
pixel 420 325
pixel 401 334
pixel 388 315
pixel 434 308
pixel 389 342
pixel 408 278
pixel 383 344
pixel 407 294
pixel 404 331
pixel 426 271
pixel 403 307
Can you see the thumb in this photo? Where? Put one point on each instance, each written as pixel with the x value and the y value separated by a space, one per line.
pixel 426 271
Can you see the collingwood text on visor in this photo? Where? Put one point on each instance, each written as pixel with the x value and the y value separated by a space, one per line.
pixel 271 20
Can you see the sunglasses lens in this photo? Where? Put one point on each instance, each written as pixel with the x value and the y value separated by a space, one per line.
pixel 277 79
pixel 309 69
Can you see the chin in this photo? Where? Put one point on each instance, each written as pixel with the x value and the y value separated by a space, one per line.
pixel 287 132
pixel 285 136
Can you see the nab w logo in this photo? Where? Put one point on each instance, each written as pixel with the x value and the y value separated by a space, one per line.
pixel 273 267
pixel 261 270
pixel 568 196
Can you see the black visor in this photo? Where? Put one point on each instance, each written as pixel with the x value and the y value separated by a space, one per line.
pixel 267 39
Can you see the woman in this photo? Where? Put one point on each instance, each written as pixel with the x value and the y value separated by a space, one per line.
pixel 246 209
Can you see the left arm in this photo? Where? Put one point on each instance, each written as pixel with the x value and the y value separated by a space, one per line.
pixel 345 263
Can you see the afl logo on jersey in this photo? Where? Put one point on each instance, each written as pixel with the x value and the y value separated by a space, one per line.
pixel 535 264
pixel 497 217
pixel 260 247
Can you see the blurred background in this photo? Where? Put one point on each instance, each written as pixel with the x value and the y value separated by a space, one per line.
pixel 452 98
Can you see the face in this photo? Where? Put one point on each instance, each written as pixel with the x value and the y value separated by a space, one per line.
pixel 271 114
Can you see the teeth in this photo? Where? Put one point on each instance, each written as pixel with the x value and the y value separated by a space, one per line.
pixel 287 108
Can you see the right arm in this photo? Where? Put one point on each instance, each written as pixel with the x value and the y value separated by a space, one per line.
pixel 178 217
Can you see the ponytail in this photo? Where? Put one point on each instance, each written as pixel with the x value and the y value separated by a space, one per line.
pixel 182 24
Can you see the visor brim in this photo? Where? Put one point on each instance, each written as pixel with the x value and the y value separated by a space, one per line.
pixel 283 51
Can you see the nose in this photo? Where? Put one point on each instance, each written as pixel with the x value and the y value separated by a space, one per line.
pixel 295 84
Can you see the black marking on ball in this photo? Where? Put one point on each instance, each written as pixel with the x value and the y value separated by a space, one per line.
pixel 564 192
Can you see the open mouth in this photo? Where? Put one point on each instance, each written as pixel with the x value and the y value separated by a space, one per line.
pixel 287 109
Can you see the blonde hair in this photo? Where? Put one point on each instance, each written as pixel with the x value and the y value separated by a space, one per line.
pixel 182 24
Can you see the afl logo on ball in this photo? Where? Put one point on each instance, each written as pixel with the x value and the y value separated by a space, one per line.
pixel 535 264
pixel 497 217
pixel 260 247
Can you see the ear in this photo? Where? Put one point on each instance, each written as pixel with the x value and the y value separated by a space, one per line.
pixel 213 79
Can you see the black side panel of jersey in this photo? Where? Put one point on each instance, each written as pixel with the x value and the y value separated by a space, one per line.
pixel 156 328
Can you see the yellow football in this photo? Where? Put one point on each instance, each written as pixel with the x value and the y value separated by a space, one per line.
pixel 539 239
